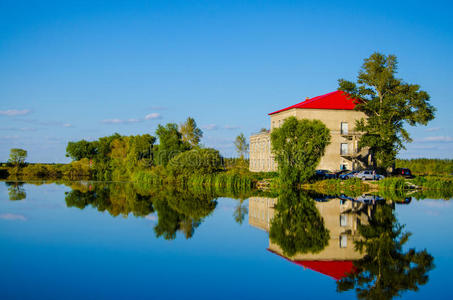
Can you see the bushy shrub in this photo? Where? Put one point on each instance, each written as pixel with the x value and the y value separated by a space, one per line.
pixel 196 161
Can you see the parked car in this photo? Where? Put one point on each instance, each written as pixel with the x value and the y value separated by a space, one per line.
pixel 369 199
pixel 325 174
pixel 369 175
pixel 348 175
pixel 404 172
pixel 341 172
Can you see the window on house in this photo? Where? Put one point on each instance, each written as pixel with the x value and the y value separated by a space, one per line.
pixel 344 149
pixel 344 128
pixel 343 220
pixel 343 241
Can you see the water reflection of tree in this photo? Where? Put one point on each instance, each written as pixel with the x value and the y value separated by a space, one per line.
pixel 297 226
pixel 240 211
pixel 181 211
pixel 177 210
pixel 16 190
pixel 387 269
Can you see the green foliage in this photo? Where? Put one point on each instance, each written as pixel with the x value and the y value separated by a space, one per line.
pixel 17 156
pixel 240 211
pixel 444 185
pixel 427 166
pixel 16 191
pixel 297 226
pixel 114 157
pixel 352 187
pixel 298 146
pixel 170 143
pixel 196 161
pixel 191 134
pixel 81 149
pixel 241 145
pixel 387 269
pixel 389 103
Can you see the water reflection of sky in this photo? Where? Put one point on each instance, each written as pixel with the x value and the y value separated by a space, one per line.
pixel 49 251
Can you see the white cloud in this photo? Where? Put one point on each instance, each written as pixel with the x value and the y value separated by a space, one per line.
pixel 231 127
pixel 422 147
pixel 432 129
pixel 121 121
pixel 18 129
pixel 438 139
pixel 112 121
pixel 67 125
pixel 13 217
pixel 9 137
pixel 153 116
pixel 14 112
pixel 210 127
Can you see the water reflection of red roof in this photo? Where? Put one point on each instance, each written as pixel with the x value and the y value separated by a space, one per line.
pixel 337 269
pixel 333 100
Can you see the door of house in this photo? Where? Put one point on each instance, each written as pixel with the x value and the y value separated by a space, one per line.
pixel 344 128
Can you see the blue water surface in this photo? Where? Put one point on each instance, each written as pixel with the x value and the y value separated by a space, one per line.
pixel 51 251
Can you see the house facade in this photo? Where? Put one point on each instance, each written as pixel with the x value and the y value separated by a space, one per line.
pixel 336 111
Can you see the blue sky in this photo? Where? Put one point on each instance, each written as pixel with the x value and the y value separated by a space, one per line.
pixel 85 69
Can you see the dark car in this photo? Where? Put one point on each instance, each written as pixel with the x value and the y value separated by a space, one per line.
pixel 403 172
pixel 348 175
pixel 325 174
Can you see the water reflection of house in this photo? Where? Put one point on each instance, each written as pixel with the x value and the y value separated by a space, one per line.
pixel 341 218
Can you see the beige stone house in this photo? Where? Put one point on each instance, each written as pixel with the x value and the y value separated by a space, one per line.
pixel 336 111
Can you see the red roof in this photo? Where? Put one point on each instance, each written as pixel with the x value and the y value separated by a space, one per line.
pixel 333 100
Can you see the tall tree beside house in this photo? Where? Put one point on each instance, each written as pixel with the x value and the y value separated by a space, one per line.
pixel 389 103
pixel 17 156
pixel 298 146
pixel 241 145
pixel 190 132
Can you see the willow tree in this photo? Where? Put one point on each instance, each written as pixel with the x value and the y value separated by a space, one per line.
pixel 389 104
pixel 298 146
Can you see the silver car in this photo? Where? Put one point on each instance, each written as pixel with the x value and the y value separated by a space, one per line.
pixel 369 175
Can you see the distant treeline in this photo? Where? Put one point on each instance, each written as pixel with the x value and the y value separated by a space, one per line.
pixel 177 158
pixel 427 166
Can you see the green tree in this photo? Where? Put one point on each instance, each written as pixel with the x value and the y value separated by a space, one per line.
pixel 297 226
pixel 242 147
pixel 389 103
pixel 170 143
pixel 81 149
pixel 17 156
pixel 298 146
pixel 387 269
pixel 191 134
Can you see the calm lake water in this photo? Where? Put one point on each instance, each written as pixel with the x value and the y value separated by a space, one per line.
pixel 100 241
